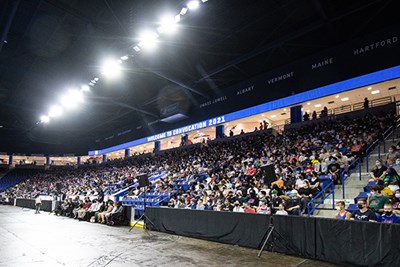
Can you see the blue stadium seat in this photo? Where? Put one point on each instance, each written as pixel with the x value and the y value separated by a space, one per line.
pixel 361 195
pixel 368 186
pixel 352 207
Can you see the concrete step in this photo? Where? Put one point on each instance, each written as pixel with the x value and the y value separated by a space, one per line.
pixel 324 213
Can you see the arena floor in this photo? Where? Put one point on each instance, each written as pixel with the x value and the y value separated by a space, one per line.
pixel 29 239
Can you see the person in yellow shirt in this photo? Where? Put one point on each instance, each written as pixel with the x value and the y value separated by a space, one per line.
pixel 279 183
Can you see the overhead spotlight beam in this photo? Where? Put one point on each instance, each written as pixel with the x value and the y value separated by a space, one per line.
pixel 176 82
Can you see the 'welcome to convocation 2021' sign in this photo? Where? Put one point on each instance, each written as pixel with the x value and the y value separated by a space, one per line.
pixel 186 129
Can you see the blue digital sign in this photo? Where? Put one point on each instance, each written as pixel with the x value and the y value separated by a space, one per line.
pixel 346 85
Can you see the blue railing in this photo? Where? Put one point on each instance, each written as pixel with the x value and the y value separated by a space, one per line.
pixel 347 172
pixel 330 185
pixel 378 143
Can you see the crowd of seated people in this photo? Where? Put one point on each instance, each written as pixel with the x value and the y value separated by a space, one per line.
pixel 231 174
pixel 382 204
pixel 96 210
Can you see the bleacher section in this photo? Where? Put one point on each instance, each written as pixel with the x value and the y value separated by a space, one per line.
pixel 16 176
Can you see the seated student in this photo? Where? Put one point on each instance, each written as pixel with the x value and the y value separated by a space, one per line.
pixel 263 208
pixel 363 213
pixel 117 212
pixel 388 215
pixel 392 155
pixel 376 200
pixel 281 210
pixel 392 179
pixel 314 184
pixel 109 209
pixel 342 214
pixel 303 185
pixel 396 165
pixel 378 171
pixel 334 170
pixel 78 207
pixel 92 210
pixel 396 202
pixel 237 207
pixel 292 203
pixel 248 208
pixel 278 183
pixel 82 211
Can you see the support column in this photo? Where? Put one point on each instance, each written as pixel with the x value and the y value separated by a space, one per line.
pixel 127 153
pixel 47 160
pixel 78 161
pixel 296 114
pixel 157 146
pixel 104 158
pixel 10 160
pixel 219 131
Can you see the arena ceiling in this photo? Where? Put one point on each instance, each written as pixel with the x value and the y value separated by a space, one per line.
pixel 54 44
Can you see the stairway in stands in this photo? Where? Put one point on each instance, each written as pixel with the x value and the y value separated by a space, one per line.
pixel 353 184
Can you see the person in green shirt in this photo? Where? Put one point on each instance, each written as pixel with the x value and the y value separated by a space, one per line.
pixel 376 200
pixel 391 179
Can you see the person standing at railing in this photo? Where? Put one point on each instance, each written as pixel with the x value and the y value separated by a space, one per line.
pixel 342 214
pixel 366 103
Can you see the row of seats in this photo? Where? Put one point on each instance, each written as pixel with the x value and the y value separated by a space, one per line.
pixel 353 207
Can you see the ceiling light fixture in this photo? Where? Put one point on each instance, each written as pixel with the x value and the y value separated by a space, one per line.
pixel 375 92
pixel 344 99
pixel 55 111
pixel 193 5
pixel 44 119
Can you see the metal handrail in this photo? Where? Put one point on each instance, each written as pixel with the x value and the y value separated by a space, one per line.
pixel 373 145
pixel 343 173
pixel 332 192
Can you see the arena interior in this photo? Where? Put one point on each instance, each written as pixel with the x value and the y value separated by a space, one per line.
pixel 199 133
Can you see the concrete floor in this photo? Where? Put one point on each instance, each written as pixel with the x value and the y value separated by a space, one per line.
pixel 29 239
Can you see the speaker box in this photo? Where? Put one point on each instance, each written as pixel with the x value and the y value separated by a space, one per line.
pixel 143 180
pixel 269 174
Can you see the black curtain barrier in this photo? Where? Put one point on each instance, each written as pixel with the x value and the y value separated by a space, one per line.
pixel 294 235
pixel 30 204
pixel 225 227
pixel 358 243
pixel 345 242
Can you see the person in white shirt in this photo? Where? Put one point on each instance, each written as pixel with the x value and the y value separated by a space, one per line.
pixel 237 207
pixel 38 204
pixel 281 210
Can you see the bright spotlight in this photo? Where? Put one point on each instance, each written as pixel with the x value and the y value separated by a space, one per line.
pixel 71 99
pixel 44 119
pixel 183 11
pixel 55 111
pixel 85 88
pixel 77 95
pixel 111 68
pixel 148 39
pixel 168 25
pixel 124 57
pixel 192 5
